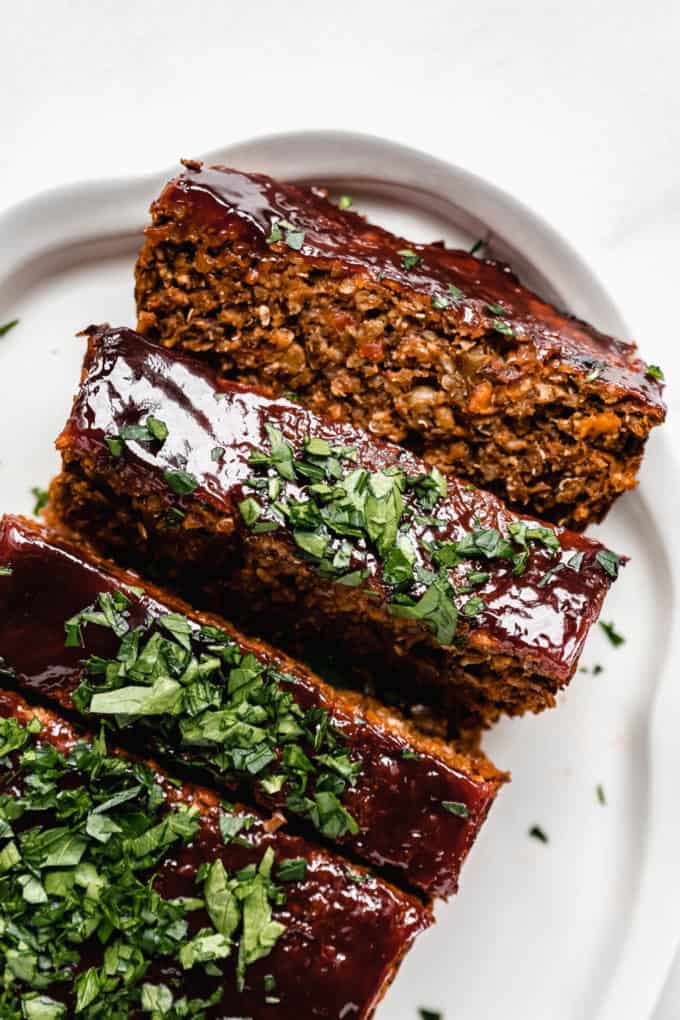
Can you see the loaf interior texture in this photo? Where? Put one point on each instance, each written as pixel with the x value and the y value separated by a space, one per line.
pixel 475 609
pixel 431 348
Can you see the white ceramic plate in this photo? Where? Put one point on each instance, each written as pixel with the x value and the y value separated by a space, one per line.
pixel 572 930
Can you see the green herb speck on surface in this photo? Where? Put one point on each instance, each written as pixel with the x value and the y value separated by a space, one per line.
pixel 282 230
pixel 654 372
pixel 536 832
pixel 345 202
pixel 610 630
pixel 112 828
pixel 596 371
pixel 477 246
pixel 180 482
pixel 338 515
pixel 41 497
pixel 456 807
pixel 430 1014
pixel 599 789
pixel 4 329
pixel 409 258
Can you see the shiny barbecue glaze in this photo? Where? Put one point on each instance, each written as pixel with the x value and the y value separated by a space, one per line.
pixel 244 207
pixel 397 801
pixel 343 938
pixel 542 622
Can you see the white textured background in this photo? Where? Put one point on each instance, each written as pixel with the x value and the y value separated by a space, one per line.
pixel 572 107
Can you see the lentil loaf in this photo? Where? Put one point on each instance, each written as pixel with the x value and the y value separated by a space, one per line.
pixel 432 348
pixel 306 528
pixel 126 893
pixel 197 692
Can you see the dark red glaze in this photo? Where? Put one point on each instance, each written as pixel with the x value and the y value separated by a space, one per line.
pixel 343 938
pixel 397 802
pixel 244 207
pixel 544 623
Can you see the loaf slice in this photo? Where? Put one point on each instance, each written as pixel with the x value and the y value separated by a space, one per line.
pixel 125 893
pixel 435 349
pixel 189 687
pixel 307 529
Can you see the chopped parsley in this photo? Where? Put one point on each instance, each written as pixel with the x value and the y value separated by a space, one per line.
pixel 282 230
pixel 197 690
pixel 439 302
pixel 7 326
pixel 180 482
pixel 152 430
pixel 536 832
pixel 430 1014
pixel 41 497
pixel 610 630
pixel 345 202
pixel 292 870
pixel 599 789
pixel 501 326
pixel 654 372
pixel 455 292
pixel 456 807
pixel 350 524
pixel 409 259
pixel 596 371
pixel 609 562
pixel 477 246
pixel 78 886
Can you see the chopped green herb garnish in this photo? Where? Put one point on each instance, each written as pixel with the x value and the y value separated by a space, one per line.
pixel 217 453
pixel 654 372
pixel 344 202
pixel 7 326
pixel 455 292
pixel 477 246
pixel 78 903
pixel 596 371
pixel 180 482
pixel 197 689
pixel 282 230
pixel 411 755
pixel 292 870
pixel 599 789
pixel 496 309
pixel 6 571
pixel 456 807
pixel 613 635
pixel 115 445
pixel 338 513
pixel 439 302
pixel 501 326
pixel 409 259
pixel 157 428
pixel 430 1014
pixel 42 498
pixel 250 510
pixel 537 833
pixel 609 562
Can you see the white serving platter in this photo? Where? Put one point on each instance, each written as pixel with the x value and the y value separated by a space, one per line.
pixel 585 926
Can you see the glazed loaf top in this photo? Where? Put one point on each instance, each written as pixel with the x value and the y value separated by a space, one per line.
pixel 260 721
pixel 477 295
pixel 515 587
pixel 142 890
